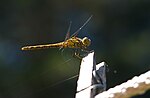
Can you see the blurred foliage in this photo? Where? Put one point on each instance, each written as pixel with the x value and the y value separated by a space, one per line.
pixel 119 31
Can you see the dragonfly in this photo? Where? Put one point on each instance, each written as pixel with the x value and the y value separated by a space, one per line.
pixel 70 41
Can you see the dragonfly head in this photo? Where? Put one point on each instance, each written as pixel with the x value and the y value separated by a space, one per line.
pixel 86 41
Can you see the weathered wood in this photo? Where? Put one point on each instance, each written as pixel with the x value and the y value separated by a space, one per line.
pixel 92 79
pixel 85 77
pixel 137 85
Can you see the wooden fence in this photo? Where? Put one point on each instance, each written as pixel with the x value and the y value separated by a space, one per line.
pixel 92 82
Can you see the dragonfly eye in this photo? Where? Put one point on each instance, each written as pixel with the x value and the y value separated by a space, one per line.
pixel 86 41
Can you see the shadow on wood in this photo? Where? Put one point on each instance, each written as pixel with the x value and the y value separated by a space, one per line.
pixel 92 78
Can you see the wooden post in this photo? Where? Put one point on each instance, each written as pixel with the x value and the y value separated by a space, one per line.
pixel 90 77
pixel 85 77
pixel 92 82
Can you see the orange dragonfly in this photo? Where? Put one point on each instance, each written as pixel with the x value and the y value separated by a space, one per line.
pixel 69 42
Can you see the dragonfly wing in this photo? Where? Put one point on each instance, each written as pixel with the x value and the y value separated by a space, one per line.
pixel 68 32
pixel 76 33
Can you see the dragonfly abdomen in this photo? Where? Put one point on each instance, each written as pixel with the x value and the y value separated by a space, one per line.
pixel 57 45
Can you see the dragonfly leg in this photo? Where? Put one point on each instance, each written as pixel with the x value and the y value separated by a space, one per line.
pixel 87 51
pixel 80 56
pixel 77 54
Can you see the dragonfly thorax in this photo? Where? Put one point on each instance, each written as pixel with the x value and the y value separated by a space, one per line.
pixel 86 41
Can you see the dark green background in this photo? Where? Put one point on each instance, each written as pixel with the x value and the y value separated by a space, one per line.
pixel 119 30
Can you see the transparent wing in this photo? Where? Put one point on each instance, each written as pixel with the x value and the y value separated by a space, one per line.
pixel 67 35
pixel 68 32
pixel 76 33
